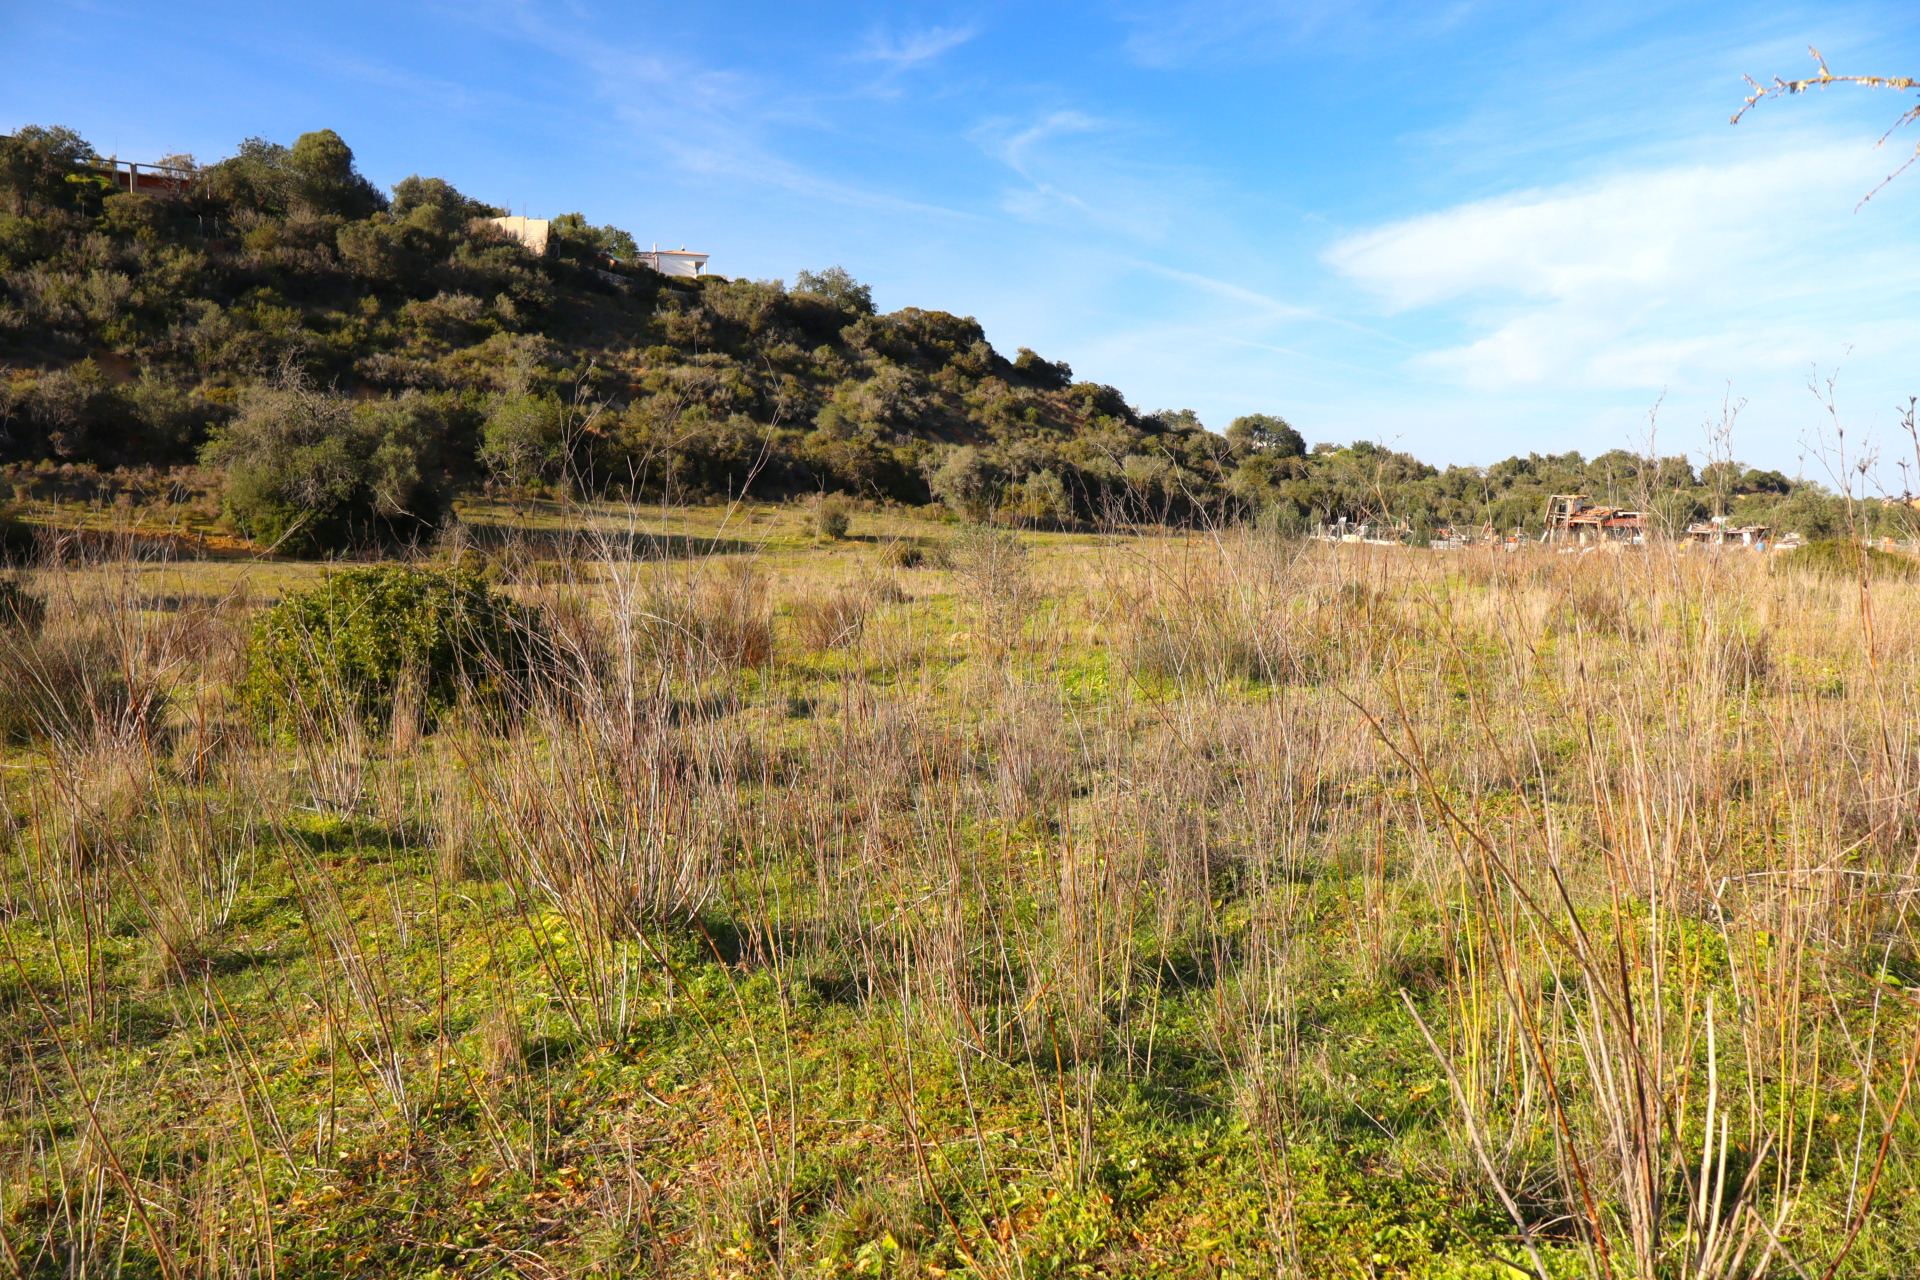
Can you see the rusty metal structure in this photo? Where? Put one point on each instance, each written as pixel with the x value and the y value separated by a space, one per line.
pixel 1571 518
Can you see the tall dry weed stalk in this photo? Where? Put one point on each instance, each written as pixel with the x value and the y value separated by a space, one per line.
pixel 996 582
pixel 1617 917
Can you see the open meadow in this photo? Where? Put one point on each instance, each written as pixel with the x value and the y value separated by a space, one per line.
pixel 950 899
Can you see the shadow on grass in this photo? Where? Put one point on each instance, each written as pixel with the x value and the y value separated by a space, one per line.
pixel 628 544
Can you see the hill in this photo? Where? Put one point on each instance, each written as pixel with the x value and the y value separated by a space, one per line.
pixel 346 361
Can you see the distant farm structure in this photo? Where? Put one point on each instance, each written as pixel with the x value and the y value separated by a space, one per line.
pixel 1719 532
pixel 1571 518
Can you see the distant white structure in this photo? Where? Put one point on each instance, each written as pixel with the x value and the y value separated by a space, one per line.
pixel 535 233
pixel 673 262
pixel 531 232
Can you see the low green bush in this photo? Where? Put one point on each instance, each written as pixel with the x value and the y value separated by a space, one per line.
pixel 360 639
pixel 1845 558
pixel 309 470
pixel 831 516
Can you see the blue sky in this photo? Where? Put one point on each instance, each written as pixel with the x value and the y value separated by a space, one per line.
pixel 1464 229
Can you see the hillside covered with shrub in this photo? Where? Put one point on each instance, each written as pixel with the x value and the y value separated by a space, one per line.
pixel 342 362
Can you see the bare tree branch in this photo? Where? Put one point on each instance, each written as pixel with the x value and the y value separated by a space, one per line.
pixel 1783 88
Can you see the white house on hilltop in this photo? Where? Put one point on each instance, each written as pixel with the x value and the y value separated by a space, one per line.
pixel 535 232
pixel 673 262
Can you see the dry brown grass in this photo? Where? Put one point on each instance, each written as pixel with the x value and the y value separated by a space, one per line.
pixel 1625 839
pixel 837 620
pixel 696 625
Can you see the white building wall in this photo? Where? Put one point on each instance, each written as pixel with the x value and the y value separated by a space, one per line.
pixel 674 262
pixel 531 232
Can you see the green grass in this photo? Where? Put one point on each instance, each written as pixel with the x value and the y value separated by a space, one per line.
pixel 1011 961
pixel 487 1168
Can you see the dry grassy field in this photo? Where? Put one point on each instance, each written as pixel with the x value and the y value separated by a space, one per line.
pixel 947 900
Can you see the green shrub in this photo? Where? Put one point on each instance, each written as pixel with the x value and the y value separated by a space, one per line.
pixel 525 441
pixel 365 635
pixel 968 483
pixel 831 516
pixel 1043 497
pixel 1844 558
pixel 308 470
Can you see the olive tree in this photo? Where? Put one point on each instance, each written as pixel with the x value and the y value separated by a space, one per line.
pixel 837 285
pixel 308 470
pixel 525 439
pixel 35 164
pixel 1265 433
pixel 968 483
pixel 316 173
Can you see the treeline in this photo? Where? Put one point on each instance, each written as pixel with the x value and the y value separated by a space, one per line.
pixel 349 360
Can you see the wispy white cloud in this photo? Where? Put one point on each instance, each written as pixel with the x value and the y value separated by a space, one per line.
pixel 1309 357
pixel 1215 31
pixel 1257 306
pixel 1681 275
pixel 902 52
pixel 704 120
pixel 904 58
pixel 445 93
pixel 1015 149
pixel 1080 170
